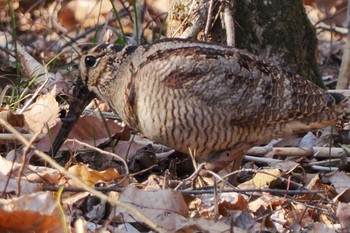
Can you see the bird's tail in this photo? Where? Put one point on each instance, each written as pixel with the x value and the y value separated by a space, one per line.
pixel 342 104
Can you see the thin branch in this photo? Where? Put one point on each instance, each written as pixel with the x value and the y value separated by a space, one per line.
pixel 229 23
pixel 209 19
pixel 318 152
pixel 101 152
pixel 344 73
pixel 207 190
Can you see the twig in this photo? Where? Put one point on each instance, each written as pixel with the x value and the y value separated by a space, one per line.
pixel 216 200
pixel 48 77
pixel 333 28
pixel 109 115
pixel 9 174
pixel 78 190
pixel 261 160
pixel 345 92
pixel 24 156
pixel 197 191
pixel 194 174
pixel 143 171
pixel 317 152
pixel 197 13
pixel 324 162
pixel 185 20
pixel 313 165
pixel 217 177
pixel 324 169
pixel 87 32
pixel 102 152
pixel 276 191
pixel 8 137
pixel 209 20
pixel 3 92
pixel 229 23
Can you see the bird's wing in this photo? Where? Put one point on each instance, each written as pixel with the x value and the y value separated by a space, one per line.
pixel 242 86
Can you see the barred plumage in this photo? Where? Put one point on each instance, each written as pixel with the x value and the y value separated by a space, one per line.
pixel 206 97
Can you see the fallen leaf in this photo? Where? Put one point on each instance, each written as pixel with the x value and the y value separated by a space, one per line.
pixel 32 179
pixel 36 212
pixel 11 185
pixel 340 181
pixel 16 120
pixel 43 112
pixel 88 13
pixel 262 180
pixel 91 177
pixel 166 208
pixel 88 129
pixel 343 214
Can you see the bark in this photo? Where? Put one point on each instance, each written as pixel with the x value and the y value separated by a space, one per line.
pixel 344 74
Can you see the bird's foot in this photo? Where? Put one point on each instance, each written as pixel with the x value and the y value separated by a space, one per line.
pixel 217 161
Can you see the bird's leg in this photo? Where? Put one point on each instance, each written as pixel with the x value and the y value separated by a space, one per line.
pixel 217 161
pixel 233 157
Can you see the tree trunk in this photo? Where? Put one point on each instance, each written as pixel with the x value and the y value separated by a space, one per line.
pixel 344 74
pixel 277 30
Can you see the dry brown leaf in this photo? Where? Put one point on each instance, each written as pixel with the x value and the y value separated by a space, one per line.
pixel 88 13
pixel 329 11
pixel 34 176
pixel 31 68
pixel 340 181
pixel 88 129
pixel 265 202
pixel 165 207
pixel 127 148
pixel 36 212
pixel 227 203
pixel 309 2
pixel 315 184
pixel 263 180
pixel 231 201
pixel 343 196
pixel 325 228
pixel 75 198
pixel 10 185
pixel 28 221
pixel 16 120
pixel 343 214
pixel 43 112
pixel 203 226
pixel 91 177
pixel 300 213
pixel 39 173
pixel 278 219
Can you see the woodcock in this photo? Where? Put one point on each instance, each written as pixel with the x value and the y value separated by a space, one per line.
pixel 205 97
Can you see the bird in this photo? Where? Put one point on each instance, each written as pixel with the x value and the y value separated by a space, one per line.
pixel 211 99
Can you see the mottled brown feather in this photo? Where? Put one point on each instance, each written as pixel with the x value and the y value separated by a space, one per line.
pixel 207 97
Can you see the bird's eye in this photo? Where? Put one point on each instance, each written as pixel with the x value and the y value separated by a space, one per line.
pixel 90 61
